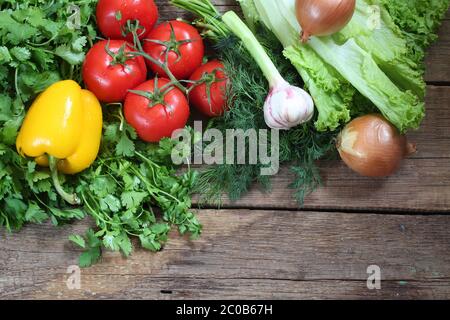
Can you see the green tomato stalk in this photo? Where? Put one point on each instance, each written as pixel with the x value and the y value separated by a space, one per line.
pixel 286 106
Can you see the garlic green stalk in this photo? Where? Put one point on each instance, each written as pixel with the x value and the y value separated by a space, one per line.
pixel 286 106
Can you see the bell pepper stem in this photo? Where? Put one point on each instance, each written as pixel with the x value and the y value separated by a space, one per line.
pixel 70 198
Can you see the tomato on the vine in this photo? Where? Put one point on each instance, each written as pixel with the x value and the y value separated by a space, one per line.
pixel 116 18
pixel 155 109
pixel 209 94
pixel 178 45
pixel 109 70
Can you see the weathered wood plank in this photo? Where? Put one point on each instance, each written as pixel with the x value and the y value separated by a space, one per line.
pixel 422 184
pixel 245 254
pixel 438 56
pixel 433 137
pixel 132 287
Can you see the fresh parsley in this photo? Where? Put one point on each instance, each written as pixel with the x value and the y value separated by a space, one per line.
pixel 132 190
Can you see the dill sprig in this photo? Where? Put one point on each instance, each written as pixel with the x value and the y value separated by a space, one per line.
pixel 300 147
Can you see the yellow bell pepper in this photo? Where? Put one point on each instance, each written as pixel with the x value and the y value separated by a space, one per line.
pixel 63 130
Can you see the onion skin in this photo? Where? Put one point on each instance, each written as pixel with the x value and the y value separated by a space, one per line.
pixel 323 17
pixel 373 147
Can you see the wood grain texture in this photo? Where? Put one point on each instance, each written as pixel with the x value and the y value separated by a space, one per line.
pixel 421 185
pixel 246 254
pixel 438 57
pixel 322 253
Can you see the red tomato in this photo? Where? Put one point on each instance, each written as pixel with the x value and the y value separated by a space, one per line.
pixel 158 117
pixel 112 17
pixel 183 57
pixel 110 80
pixel 210 75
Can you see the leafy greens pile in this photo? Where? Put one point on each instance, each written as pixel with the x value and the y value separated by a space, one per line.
pixel 376 62
pixel 128 180
pixel 371 57
pixel 367 57
pixel 299 147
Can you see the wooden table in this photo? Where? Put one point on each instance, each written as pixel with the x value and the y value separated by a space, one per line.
pixel 265 247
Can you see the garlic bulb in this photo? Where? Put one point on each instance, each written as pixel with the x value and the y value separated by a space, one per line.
pixel 287 107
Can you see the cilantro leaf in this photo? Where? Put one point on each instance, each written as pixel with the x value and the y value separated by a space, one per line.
pixel 92 239
pixel 133 199
pixel 5 56
pixel 160 228
pixel 67 214
pixel 110 241
pixel 15 32
pixel 92 244
pixel 79 44
pixel 102 186
pixel 69 55
pixel 35 214
pixel 20 53
pixel 125 245
pixel 111 203
pixel 90 257
pixel 148 242
pixel 78 240
pixel 125 147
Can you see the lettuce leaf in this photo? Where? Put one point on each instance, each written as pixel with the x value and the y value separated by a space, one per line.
pixel 403 108
pixel 374 31
pixel 332 94
pixel 418 21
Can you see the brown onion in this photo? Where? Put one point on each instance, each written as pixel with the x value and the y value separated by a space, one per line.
pixel 373 147
pixel 323 17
